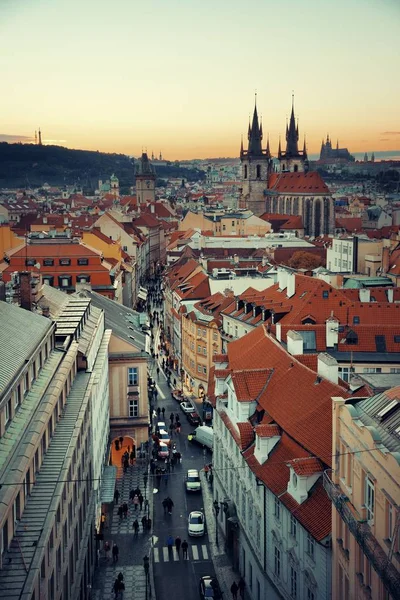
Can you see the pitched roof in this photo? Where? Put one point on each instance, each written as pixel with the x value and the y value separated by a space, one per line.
pixel 300 183
pixel 249 384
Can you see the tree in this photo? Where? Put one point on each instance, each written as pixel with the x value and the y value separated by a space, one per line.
pixel 304 260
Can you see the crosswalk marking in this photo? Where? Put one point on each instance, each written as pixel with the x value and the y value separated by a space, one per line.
pixel 165 554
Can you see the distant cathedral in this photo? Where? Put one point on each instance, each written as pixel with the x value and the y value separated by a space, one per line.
pixel 288 188
pixel 329 153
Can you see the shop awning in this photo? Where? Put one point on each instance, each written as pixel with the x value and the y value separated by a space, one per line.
pixel 108 484
pixel 142 294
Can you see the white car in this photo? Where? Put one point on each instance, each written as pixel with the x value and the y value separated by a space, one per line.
pixel 187 407
pixel 192 482
pixel 163 436
pixel 196 523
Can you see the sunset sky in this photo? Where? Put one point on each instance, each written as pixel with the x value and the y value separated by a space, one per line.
pixel 180 75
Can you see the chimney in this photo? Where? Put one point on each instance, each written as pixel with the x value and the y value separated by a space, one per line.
pixel 282 278
pixel 44 220
pixel 294 342
pixel 364 294
pixel 291 285
pixel 332 332
pixel 229 293
pixel 390 294
pixel 25 290
pixel 46 311
pixel 328 367
pixel 264 261
pixel 385 259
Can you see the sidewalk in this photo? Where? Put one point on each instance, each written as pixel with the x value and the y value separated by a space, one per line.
pixel 132 548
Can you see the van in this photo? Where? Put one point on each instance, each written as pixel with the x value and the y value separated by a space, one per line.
pixel 192 482
pixel 204 436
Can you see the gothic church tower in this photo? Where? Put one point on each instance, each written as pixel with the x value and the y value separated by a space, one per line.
pixel 292 159
pixel 256 167
pixel 145 175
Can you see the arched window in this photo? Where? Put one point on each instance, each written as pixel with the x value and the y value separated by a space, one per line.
pixel 326 215
pixel 258 171
pixel 317 218
pixel 307 217
pixel 245 171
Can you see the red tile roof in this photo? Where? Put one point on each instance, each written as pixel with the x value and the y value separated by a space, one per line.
pixel 306 466
pixel 299 183
pixel 246 434
pixel 249 384
pixel 265 430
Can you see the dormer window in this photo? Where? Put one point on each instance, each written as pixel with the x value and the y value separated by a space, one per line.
pixel 294 480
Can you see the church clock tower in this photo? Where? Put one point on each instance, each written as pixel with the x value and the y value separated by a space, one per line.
pixel 145 175
pixel 256 167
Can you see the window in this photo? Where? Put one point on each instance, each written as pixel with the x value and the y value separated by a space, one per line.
pixel 356 320
pixel 198 368
pixel 325 294
pixel 223 227
pixel 48 262
pixel 204 333
pixel 352 338
pixel 133 408
pixel 64 280
pixel 215 336
pixel 83 261
pixel 310 546
pixel 380 343
pixel 83 278
pixel 26 382
pixel 293 582
pixel 397 339
pixel 293 526
pixel 277 562
pixel 205 351
pixel 48 279
pixel 369 500
pixel 205 370
pixel 29 262
pixel 198 331
pixel 7 412
pixel 390 521
pixel 65 262
pixel 199 349
pixel 133 376
pixel 395 370
pixel 277 508
pixel 245 171
pixel 258 171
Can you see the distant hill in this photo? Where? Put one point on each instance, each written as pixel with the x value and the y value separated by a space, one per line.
pixel 23 165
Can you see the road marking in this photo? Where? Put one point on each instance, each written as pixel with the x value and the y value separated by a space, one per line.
pixel 205 553
pixel 160 392
pixel 175 554
pixel 156 555
pixel 195 553
pixel 165 553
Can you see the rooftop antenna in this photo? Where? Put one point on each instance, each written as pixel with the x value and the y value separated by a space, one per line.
pixel 35 136
pixel 40 137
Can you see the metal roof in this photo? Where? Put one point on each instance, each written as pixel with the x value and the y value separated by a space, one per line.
pixel 21 331
pixel 371 412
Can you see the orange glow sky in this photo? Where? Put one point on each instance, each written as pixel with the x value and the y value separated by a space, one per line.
pixel 179 75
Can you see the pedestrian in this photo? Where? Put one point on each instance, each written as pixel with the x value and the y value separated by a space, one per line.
pixel 141 499
pixel 184 549
pixel 152 466
pixel 165 505
pixel 170 505
pixel 120 576
pixel 234 590
pixel 163 412
pixel 131 495
pixel 241 586
pixel 107 549
pixel 170 542
pixel 120 512
pixel 144 522
pixel 126 464
pixel 132 457
pixel 176 417
pixel 178 427
pixel 125 510
pixel 158 372
pixel 116 496
pixel 149 524
pixel 171 430
pixel 158 411
pixel 171 417
pixel 206 470
pixel 135 526
pixel 165 477
pixel 178 543
pixel 136 501
pixel 115 553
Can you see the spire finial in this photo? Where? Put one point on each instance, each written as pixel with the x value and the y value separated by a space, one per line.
pixel 292 99
pixel 255 97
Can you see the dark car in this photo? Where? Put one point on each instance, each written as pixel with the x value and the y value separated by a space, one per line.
pixel 193 418
pixel 209 588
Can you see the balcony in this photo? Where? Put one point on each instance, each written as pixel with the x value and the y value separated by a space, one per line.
pixel 360 529
pixel 226 336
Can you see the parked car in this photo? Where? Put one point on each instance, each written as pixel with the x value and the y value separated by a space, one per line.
pixel 209 588
pixel 177 395
pixel 161 425
pixel 192 482
pixel 163 450
pixel 196 523
pixel 193 418
pixel 187 407
pixel 202 435
pixel 163 436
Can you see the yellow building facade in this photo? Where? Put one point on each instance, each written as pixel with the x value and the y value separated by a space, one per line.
pixel 364 487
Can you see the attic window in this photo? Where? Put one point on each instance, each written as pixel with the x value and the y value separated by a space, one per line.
pixel 351 338
pixel 325 294
pixel 356 320
pixel 380 343
pixel 30 262
pixel 308 321
pixel 396 339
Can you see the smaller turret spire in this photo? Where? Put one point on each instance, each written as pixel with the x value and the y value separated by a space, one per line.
pixel 268 151
pixel 241 146
pixel 304 148
pixel 279 148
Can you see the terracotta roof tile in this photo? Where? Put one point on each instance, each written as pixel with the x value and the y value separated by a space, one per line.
pixel 249 384
pixel 246 434
pixel 264 430
pixel 301 183
pixel 306 466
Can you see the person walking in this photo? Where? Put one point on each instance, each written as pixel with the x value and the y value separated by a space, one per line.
pixel 132 457
pixel 115 553
pixel 163 412
pixel 171 417
pixel 158 411
pixel 234 590
pixel 170 542
pixel 165 505
pixel 184 547
pixel 141 500
pixel 241 586
pixel 107 550
pixel 120 512
pixel 135 526
pixel 158 372
pixel 178 543
pixel 170 505
pixel 144 523
pixel 136 501
pixel 125 510
pixel 116 496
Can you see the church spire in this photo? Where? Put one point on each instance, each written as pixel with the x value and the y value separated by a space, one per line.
pixel 241 147
pixel 268 151
pixel 255 134
pixel 279 148
pixel 292 135
pixel 40 137
pixel 304 148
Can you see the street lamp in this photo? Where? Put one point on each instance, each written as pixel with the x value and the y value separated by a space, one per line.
pixel 216 509
pixel 146 566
